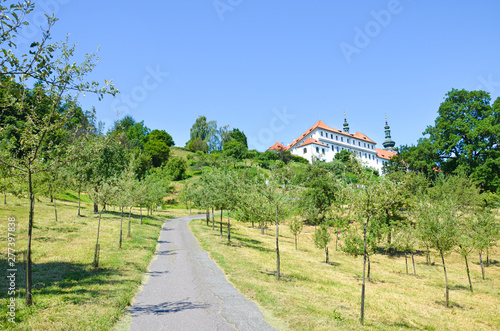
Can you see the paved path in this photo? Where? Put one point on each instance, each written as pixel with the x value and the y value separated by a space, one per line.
pixel 187 291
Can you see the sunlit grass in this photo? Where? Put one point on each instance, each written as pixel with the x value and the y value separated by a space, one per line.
pixel 68 293
pixel 313 295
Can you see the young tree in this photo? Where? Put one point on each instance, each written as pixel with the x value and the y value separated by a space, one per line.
pixel 278 197
pixel 442 233
pixel 296 227
pixel 322 236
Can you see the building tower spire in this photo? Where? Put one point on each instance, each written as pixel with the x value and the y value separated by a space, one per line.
pixel 388 142
pixel 346 125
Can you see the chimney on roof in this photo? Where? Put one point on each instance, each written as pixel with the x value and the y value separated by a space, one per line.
pixel 346 125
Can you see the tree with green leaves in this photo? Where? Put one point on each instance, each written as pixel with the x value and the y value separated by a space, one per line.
pixel 322 237
pixel 486 232
pixel 50 137
pixel 464 138
pixel 177 167
pixel 158 151
pixel 278 194
pixel 296 226
pixel 235 149
pixel 240 136
pixel 406 241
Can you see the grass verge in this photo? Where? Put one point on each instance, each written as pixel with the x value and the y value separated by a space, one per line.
pixel 313 295
pixel 68 293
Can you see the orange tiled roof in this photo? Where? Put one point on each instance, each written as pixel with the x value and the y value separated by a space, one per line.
pixel 277 147
pixel 383 154
pixel 323 126
pixel 312 141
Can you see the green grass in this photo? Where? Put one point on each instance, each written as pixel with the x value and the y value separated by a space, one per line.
pixel 68 293
pixel 313 295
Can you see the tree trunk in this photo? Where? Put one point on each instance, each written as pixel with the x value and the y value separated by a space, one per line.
pixel 413 261
pixel 96 254
pixel 295 242
pixel 487 256
pixel 55 209
pixel 369 267
pixel 482 266
pixel 140 207
pixel 221 212
pixel 364 267
pixel 213 219
pixel 446 280
pixel 262 227
pixel 336 242
pixel 228 228
pixel 468 273
pixel 252 223
pixel 406 261
pixel 207 216
pixel 79 189
pixel 5 198
pixel 121 227
pixel 29 281
pixel 326 251
pixel 129 213
pixel 277 247
pixel 428 256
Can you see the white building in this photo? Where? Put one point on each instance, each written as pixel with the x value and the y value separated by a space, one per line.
pixel 322 142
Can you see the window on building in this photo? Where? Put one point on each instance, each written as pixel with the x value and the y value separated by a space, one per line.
pixel 336 137
pixel 364 145
pixel 342 139
pixel 359 143
pixel 321 133
pixel 337 148
pixel 331 135
pixel 317 149
pixel 365 156
pixel 323 150
pixel 348 140
pixel 305 150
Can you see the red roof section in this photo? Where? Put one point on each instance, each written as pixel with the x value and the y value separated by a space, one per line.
pixel 277 147
pixel 383 154
pixel 311 141
pixel 323 126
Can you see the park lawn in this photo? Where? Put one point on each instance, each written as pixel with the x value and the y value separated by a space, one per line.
pixel 68 293
pixel 313 295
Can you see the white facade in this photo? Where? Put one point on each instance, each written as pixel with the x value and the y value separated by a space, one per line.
pixel 322 142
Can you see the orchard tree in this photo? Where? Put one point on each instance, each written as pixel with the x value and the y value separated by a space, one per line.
pixel 57 73
pixel 296 226
pixel 322 237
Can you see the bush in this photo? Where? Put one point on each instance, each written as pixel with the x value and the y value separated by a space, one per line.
pixel 177 167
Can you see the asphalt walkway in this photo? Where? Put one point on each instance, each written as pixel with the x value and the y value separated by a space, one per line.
pixel 187 291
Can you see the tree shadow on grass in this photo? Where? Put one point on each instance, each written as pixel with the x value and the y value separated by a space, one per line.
pixel 166 307
pixel 65 279
pixel 283 277
pixel 451 304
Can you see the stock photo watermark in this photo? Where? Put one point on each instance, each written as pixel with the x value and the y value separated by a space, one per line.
pixel 125 102
pixel 267 135
pixel 372 29
pixel 12 270
pixel 38 19
pixel 487 84
pixel 223 6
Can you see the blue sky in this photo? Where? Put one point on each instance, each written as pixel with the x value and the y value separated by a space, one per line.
pixel 274 68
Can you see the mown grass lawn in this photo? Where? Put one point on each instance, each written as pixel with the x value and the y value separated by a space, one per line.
pixel 68 293
pixel 313 295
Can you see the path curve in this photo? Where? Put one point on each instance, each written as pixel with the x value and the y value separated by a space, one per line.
pixel 187 291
